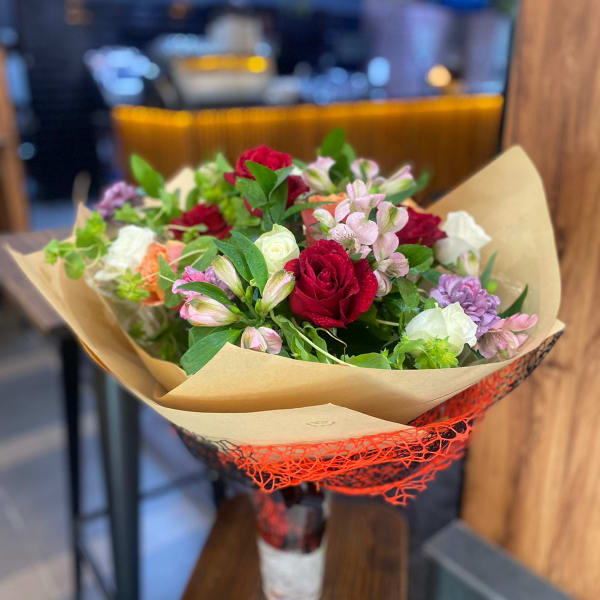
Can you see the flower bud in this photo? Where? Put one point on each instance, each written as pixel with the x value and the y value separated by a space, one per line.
pixel 401 180
pixel 468 264
pixel 203 311
pixel 364 169
pixel 316 175
pixel 225 271
pixel 278 287
pixel 263 339
pixel 324 217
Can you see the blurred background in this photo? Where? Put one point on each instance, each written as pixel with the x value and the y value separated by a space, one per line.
pixel 87 82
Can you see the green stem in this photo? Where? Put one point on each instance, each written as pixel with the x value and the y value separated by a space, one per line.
pixel 311 343
pixel 392 324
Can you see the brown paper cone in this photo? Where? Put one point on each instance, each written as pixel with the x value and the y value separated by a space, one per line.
pixel 254 398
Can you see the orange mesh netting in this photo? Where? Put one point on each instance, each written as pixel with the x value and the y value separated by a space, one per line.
pixel 396 465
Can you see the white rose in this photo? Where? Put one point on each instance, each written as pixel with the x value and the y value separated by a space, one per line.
pixel 126 252
pixel 278 246
pixel 464 235
pixel 440 323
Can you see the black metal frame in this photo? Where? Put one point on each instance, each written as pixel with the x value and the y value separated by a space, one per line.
pixel 118 413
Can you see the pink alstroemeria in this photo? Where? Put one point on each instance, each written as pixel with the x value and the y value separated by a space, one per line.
pixel 190 275
pixel 263 339
pixel 401 180
pixel 359 200
pixel 365 169
pixel 316 175
pixel 505 337
pixel 203 311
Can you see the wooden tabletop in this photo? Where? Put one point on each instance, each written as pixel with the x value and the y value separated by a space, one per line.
pixel 17 287
pixel 367 546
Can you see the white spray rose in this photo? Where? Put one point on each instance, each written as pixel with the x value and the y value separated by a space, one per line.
pixel 278 246
pixel 126 252
pixel 440 323
pixel 464 235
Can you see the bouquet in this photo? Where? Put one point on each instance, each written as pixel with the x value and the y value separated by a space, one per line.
pixel 281 286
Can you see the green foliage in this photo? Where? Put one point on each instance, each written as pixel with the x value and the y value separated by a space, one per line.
pixel 430 354
pixel 487 272
pixel 130 286
pixel 516 306
pixel 198 253
pixel 371 360
pixel 90 243
pixel 253 258
pixel 208 289
pixel 150 180
pixel 205 348
pixel 335 146
pixel 419 257
pixel 236 256
pixel 127 214
pixel 166 279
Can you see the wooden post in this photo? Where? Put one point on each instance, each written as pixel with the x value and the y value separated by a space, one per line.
pixel 533 472
pixel 14 209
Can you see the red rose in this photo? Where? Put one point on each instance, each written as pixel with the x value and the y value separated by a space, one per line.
pixel 203 214
pixel 331 290
pixel 272 159
pixel 422 228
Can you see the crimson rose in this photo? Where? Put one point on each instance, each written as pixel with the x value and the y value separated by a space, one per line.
pixel 422 228
pixel 274 160
pixel 202 214
pixel 331 290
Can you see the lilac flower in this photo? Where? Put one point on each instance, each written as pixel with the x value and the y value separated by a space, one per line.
pixel 477 302
pixel 114 197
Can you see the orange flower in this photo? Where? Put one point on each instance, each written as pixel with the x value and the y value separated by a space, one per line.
pixel 149 268
pixel 307 215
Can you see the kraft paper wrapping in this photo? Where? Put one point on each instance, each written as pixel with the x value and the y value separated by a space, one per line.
pixel 249 397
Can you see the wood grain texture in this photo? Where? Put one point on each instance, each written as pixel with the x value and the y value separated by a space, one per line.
pixel 14 206
pixel 533 474
pixel 15 285
pixel 366 554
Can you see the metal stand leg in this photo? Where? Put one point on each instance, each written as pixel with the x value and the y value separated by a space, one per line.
pixel 69 354
pixel 118 413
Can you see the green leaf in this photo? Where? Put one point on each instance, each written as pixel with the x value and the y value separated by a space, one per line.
pixel 206 348
pixel 516 306
pixel 146 176
pixel 199 333
pixel 254 259
pixel 222 163
pixel 372 360
pixel 236 256
pixel 299 163
pixel 136 331
pixel 194 252
pixel 192 198
pixel 278 202
pixel 296 208
pixel 130 286
pixel 166 277
pixel 282 175
pixel 266 178
pixel 333 143
pixel 52 251
pixel 432 276
pixel 90 239
pixel 208 289
pixel 252 191
pixel 313 334
pixel 487 272
pixel 126 214
pixel 74 265
pixel 419 257
pixel 409 292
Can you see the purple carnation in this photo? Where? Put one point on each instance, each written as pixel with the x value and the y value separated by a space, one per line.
pixel 114 197
pixel 476 301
